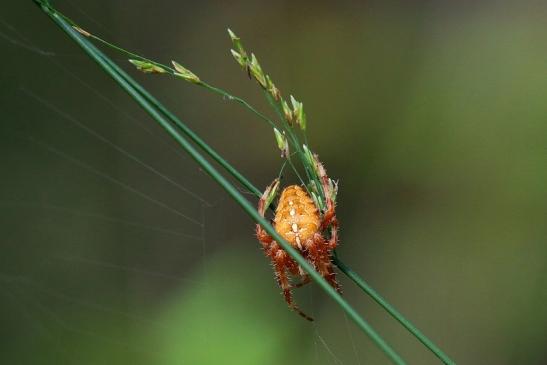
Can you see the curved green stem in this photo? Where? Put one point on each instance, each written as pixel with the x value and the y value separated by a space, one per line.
pixel 229 96
pixel 170 70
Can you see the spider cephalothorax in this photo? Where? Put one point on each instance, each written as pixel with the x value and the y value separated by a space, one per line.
pixel 301 223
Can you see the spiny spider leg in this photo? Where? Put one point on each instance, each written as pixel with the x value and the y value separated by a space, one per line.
pixel 280 260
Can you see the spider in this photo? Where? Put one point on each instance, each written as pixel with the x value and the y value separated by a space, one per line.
pixel 301 223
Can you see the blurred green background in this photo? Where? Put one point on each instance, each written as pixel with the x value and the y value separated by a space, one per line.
pixel 431 113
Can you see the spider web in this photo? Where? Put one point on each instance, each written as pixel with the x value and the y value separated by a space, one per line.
pixel 118 249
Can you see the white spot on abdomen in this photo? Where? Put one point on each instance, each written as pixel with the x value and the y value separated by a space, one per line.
pixel 297 239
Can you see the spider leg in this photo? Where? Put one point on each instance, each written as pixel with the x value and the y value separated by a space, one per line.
pixel 297 271
pixel 323 178
pixel 331 245
pixel 333 241
pixel 305 280
pixel 330 277
pixel 263 237
pixel 319 255
pixel 267 197
pixel 280 259
pixel 263 204
pixel 329 217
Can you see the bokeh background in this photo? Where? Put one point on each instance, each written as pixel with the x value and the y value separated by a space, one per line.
pixel 432 114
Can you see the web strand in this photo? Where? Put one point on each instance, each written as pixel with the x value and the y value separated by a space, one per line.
pixel 113 180
pixel 117 148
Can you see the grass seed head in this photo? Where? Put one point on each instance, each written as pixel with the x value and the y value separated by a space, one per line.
pixel 282 143
pixel 257 72
pixel 185 74
pixel 287 112
pixel 274 91
pixel 148 67
pixel 83 32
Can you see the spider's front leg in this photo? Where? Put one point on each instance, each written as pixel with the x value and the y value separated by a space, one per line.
pixel 263 204
pixel 263 237
pixel 329 217
pixel 267 197
pixel 327 246
pixel 329 189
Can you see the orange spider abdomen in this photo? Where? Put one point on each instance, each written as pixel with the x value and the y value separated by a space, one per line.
pixel 296 217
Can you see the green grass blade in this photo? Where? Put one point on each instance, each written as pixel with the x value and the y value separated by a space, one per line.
pixel 152 110
pixel 392 311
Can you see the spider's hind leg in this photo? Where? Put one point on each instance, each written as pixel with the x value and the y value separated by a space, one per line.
pixel 281 264
pixel 306 280
pixel 330 277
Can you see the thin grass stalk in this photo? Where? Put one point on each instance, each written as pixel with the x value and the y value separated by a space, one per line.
pixel 168 69
pixel 99 58
pixel 392 311
pixel 171 71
